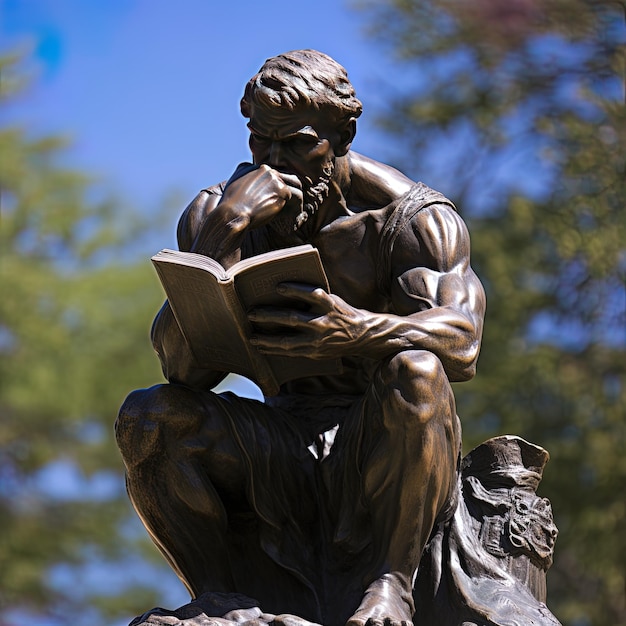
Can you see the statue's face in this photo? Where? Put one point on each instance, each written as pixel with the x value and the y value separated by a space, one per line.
pixel 300 143
pixel 294 142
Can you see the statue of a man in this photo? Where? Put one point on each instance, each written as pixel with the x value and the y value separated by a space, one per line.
pixel 320 500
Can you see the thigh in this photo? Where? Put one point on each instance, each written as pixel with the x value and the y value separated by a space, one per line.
pixel 278 467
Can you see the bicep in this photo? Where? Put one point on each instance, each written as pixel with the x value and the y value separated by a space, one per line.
pixel 431 266
pixel 420 288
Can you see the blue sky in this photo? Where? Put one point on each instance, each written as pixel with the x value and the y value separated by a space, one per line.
pixel 149 89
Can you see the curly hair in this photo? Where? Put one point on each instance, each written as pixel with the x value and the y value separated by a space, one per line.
pixel 302 78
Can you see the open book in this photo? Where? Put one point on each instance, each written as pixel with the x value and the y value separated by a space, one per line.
pixel 210 306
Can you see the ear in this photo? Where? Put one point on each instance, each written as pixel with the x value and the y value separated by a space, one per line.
pixel 347 131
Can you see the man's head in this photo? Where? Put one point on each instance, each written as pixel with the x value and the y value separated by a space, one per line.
pixel 302 79
pixel 302 110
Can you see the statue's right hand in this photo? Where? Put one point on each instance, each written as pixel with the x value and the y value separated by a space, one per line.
pixel 260 192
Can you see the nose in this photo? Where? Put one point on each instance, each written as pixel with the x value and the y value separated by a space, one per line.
pixel 275 157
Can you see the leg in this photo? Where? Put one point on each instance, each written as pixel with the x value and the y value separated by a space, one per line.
pixel 408 477
pixel 178 457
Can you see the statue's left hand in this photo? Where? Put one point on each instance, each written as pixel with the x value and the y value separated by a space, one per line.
pixel 330 327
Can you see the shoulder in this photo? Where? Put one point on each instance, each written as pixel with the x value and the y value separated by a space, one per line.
pixel 193 216
pixel 425 225
pixel 373 185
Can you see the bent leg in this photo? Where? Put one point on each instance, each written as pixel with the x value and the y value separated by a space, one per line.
pixel 412 441
pixel 180 464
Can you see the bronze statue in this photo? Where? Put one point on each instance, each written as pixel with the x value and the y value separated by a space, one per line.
pixel 320 501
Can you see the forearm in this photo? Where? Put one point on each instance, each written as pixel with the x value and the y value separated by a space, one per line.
pixel 448 334
pixel 222 234
pixel 334 329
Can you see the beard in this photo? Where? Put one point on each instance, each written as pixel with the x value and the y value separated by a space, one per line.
pixel 313 193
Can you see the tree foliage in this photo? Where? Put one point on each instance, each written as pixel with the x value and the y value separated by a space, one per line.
pixel 73 341
pixel 516 111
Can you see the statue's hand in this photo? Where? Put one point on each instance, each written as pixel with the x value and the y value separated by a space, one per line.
pixel 253 196
pixel 258 194
pixel 330 328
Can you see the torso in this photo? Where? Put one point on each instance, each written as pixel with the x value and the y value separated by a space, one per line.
pixel 349 249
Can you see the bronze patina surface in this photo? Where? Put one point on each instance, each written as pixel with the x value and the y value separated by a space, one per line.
pixel 320 501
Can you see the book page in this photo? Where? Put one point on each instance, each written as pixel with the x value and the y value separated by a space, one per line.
pixel 191 259
pixel 256 278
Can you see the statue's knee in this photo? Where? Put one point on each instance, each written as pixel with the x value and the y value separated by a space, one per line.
pixel 414 373
pixel 148 419
pixel 415 387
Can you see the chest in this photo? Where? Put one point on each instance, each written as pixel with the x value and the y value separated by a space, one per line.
pixel 349 249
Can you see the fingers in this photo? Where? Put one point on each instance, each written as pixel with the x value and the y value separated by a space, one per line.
pixel 291 345
pixel 310 294
pixel 291 180
pixel 283 187
pixel 241 170
pixel 259 193
pixel 287 186
pixel 283 317
pixel 294 186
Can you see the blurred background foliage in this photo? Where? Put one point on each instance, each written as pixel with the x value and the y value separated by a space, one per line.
pixel 516 111
pixel 74 311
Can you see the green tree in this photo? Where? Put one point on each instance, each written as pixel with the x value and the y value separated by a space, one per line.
pixel 73 341
pixel 516 111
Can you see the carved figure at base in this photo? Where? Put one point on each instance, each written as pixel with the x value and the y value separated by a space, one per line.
pixel 487 565
pixel 320 501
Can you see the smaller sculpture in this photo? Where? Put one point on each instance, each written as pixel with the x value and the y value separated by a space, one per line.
pixel 487 566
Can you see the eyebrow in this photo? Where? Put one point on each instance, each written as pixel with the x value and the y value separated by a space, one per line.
pixel 307 131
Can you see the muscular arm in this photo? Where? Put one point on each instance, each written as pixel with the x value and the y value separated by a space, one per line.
pixel 438 304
